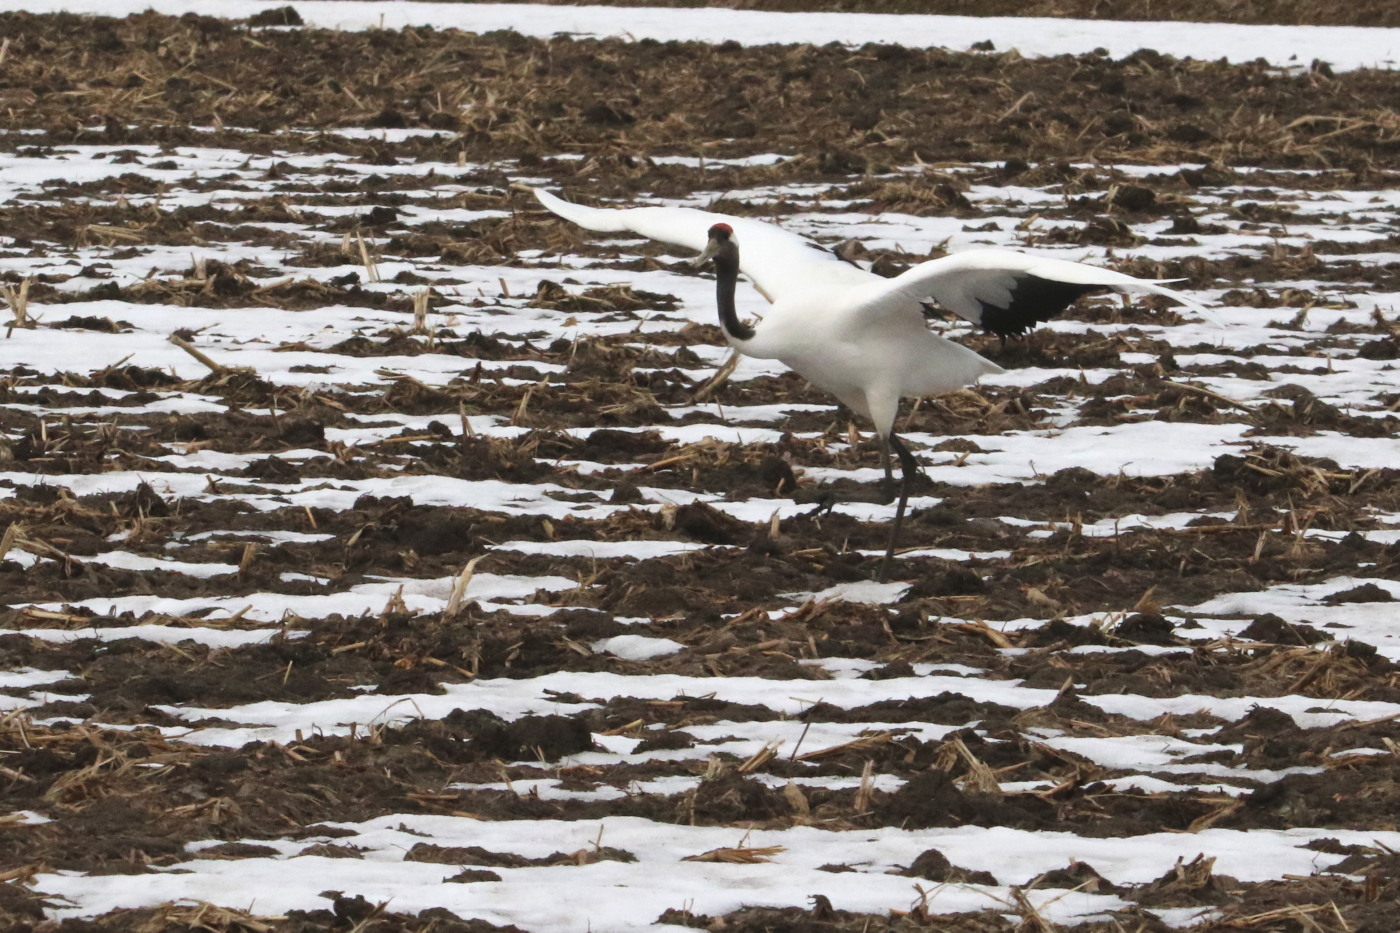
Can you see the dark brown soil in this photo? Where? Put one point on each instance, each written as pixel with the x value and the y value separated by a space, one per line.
pixel 1143 108
pixel 1285 12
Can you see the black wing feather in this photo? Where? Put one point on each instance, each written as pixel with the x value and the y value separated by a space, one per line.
pixel 1033 300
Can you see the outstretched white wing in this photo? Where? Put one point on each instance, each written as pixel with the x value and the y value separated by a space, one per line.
pixel 778 262
pixel 1006 292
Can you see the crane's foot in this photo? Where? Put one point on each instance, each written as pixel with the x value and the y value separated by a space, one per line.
pixel 824 504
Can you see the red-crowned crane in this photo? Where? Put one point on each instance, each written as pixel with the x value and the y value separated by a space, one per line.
pixel 860 336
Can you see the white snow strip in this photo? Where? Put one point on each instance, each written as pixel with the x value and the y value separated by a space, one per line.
pixel 637 647
pixel 626 896
pixel 511 699
pixel 1344 47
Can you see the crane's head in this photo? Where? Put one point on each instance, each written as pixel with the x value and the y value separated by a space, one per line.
pixel 722 245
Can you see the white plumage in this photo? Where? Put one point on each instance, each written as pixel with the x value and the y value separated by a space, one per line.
pixel 860 336
pixel 778 262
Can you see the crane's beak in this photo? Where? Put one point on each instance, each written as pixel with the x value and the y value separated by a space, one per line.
pixel 709 253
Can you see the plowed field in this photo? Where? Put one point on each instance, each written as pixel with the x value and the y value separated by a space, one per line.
pixel 378 553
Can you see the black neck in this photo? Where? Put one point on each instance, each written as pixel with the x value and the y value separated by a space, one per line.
pixel 726 279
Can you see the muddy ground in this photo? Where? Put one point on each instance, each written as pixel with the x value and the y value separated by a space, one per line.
pixel 1290 12
pixel 97 752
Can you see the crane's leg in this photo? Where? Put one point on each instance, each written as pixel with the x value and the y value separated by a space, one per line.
pixel 909 468
pixel 886 488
